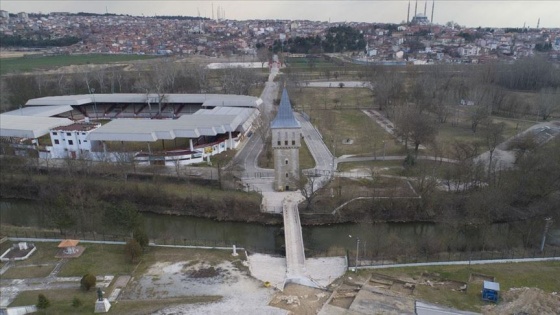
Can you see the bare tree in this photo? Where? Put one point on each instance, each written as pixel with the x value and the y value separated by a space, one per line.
pixel 549 102
pixel 264 55
pixel 422 130
pixel 478 114
pixel 307 183
pixel 388 89
pixel 493 135
pixel 238 80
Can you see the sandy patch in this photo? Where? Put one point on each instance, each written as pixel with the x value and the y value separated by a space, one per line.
pixel 241 294
pixel 526 301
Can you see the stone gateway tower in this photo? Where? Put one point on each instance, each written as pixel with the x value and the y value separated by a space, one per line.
pixel 286 141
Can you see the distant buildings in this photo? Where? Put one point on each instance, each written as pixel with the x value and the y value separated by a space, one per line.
pixel 120 34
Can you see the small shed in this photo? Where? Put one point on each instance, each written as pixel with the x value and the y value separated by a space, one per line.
pixel 69 246
pixel 490 291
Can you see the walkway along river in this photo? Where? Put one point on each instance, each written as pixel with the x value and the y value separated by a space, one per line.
pixel 375 238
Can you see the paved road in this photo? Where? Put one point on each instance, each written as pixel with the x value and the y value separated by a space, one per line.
pixel 392 158
pixel 249 153
pixel 336 84
pixel 504 158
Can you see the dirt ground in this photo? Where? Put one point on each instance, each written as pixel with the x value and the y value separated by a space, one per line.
pixel 529 301
pixel 300 300
pixel 241 294
pixel 16 54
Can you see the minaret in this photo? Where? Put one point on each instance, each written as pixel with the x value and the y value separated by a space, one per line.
pixel 432 18
pixel 408 13
pixel 425 7
pixel 416 8
pixel 286 141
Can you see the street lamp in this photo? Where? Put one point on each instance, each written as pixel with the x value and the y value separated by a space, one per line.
pixel 383 150
pixel 92 91
pixel 357 252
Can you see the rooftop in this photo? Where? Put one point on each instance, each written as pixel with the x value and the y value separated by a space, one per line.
pixel 78 127
pixel 207 100
pixel 285 117
pixel 29 126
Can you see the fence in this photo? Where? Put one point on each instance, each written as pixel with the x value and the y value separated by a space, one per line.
pixel 101 237
pixel 76 235
pixel 364 259
pixel 369 260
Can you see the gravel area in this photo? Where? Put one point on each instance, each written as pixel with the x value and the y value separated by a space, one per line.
pixel 241 293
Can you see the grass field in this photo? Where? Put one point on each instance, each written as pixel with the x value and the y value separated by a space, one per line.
pixel 544 275
pixel 98 259
pixel 25 272
pixel 61 302
pixel 109 260
pixel 26 64
pixel 462 132
pixel 333 111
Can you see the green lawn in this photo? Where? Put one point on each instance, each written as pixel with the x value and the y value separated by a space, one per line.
pixel 25 64
pixel 449 134
pixel 542 275
pixel 383 167
pixel 61 302
pixel 98 259
pixel 25 272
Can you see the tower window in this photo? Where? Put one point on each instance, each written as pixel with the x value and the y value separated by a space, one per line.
pixel 286 175
pixel 279 142
pixel 70 142
pixel 293 142
pixel 286 142
pixel 56 141
pixel 286 162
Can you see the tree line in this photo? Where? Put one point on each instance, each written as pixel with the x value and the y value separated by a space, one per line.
pixel 37 41
pixel 161 77
pixel 337 39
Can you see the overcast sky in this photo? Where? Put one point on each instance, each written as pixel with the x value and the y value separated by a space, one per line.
pixel 468 13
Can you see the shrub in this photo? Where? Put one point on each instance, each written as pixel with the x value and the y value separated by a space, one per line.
pixel 141 237
pixel 132 250
pixel 76 302
pixel 88 281
pixel 43 302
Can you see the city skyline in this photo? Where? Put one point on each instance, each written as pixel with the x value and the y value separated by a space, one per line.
pixel 467 13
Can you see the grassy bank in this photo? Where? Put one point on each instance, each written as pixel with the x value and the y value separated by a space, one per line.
pixel 543 275
pixel 26 64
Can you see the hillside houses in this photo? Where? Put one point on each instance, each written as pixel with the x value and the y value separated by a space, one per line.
pixel 123 34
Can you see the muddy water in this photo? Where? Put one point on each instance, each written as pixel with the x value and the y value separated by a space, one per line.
pixel 180 229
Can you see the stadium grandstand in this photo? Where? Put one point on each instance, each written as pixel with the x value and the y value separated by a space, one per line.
pixel 151 128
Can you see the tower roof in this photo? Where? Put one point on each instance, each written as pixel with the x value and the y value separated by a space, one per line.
pixel 285 117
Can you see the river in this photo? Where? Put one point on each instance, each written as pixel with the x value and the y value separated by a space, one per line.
pixel 268 238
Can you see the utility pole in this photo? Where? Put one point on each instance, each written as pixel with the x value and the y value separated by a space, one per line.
pixel 357 252
pixel 546 227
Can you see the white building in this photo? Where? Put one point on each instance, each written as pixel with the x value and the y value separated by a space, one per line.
pixel 72 140
pixel 469 50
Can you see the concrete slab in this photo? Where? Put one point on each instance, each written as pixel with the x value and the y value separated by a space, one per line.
pixel 335 310
pixel 268 268
pixel 366 302
pixel 325 270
